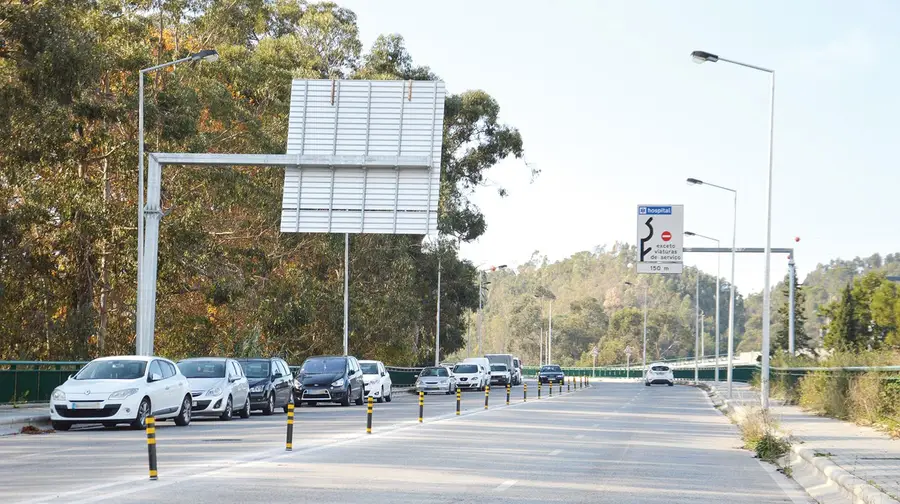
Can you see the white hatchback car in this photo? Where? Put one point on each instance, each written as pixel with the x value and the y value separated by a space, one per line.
pixel 376 380
pixel 127 389
pixel 471 376
pixel 218 387
pixel 659 373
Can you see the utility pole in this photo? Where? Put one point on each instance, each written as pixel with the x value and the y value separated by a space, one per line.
pixel 437 330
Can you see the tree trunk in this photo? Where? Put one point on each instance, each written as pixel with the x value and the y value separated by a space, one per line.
pixel 104 271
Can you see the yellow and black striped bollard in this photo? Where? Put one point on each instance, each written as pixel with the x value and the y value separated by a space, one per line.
pixel 289 441
pixel 151 446
pixel 487 393
pixel 568 385
pixel 560 385
pixel 369 416
pixel 539 389
pixel 458 399
pixel 524 392
pixel 507 394
pixel 421 405
pixel 550 386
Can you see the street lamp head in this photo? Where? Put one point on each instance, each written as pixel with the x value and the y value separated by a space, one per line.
pixel 208 55
pixel 703 57
pixel 693 181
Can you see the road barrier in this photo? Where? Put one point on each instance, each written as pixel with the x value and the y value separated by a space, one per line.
pixel 487 394
pixel 539 389
pixel 369 416
pixel 151 446
pixel 421 405
pixel 560 385
pixel 524 392
pixel 289 440
pixel 507 394
pixel 458 400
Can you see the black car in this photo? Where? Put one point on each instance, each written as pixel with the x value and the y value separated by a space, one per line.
pixel 336 379
pixel 551 374
pixel 270 383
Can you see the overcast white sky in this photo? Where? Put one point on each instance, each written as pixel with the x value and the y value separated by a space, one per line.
pixel 614 113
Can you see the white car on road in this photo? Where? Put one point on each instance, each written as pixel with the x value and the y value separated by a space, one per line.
pixel 376 380
pixel 470 375
pixel 218 387
pixel 116 390
pixel 659 373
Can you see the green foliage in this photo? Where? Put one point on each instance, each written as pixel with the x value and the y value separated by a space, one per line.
pixel 229 281
pixel 592 306
pixel 759 432
pixel 865 317
pixel 781 332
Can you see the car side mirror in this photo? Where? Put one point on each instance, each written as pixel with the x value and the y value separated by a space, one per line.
pixel 383 373
pixel 276 376
pixel 154 377
pixel 234 379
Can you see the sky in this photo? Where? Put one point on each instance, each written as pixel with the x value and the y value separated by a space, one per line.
pixel 614 113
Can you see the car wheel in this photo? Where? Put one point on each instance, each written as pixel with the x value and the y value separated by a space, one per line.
pixel 184 416
pixel 228 413
pixel 671 384
pixel 390 394
pixel 646 384
pixel 269 408
pixel 346 400
pixel 359 402
pixel 245 411
pixel 60 426
pixel 140 420
pixel 381 399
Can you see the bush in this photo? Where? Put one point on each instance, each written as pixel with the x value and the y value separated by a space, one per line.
pixel 758 432
pixel 865 398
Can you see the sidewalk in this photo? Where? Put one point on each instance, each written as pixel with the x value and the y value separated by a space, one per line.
pixel 12 419
pixel 863 452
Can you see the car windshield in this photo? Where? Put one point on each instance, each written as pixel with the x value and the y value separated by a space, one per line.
pixel 660 368
pixel 498 367
pixel 202 369
pixel 434 371
pixel 323 365
pixel 255 368
pixel 369 367
pixel 551 369
pixel 466 368
pixel 112 370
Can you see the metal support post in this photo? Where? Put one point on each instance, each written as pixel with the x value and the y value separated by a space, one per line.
pixel 791 341
pixel 346 293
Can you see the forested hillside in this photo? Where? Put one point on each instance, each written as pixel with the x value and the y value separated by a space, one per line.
pixel 229 282
pixel 594 306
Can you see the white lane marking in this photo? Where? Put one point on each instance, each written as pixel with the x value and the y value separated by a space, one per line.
pixel 506 484
pixel 555 452
pixel 580 436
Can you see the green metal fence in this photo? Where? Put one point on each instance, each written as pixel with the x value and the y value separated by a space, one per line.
pixel 33 381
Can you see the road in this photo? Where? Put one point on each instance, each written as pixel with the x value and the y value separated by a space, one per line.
pixel 615 442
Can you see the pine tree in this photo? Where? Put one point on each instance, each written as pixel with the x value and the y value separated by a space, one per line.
pixel 841 330
pixel 782 334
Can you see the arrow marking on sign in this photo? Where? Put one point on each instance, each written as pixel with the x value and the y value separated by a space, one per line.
pixel 645 251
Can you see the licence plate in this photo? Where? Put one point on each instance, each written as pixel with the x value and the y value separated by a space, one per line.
pixel 86 405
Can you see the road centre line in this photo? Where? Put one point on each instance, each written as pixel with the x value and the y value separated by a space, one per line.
pixel 506 484
pixel 267 456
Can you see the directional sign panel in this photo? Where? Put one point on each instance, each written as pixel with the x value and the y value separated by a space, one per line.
pixel 660 238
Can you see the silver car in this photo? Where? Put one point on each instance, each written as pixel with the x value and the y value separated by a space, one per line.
pixel 436 379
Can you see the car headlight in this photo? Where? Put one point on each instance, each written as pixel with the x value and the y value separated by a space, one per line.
pixel 58 395
pixel 338 383
pixel 444 382
pixel 122 394
pixel 258 388
pixel 297 384
pixel 215 391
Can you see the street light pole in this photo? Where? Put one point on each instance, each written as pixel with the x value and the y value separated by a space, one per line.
pixel 209 55
pixel 700 57
pixel 730 371
pixel 718 291
pixel 437 330
pixel 697 330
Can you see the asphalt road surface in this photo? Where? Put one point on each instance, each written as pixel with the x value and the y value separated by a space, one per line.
pixel 614 442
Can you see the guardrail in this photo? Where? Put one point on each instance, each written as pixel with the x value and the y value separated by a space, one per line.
pixel 33 381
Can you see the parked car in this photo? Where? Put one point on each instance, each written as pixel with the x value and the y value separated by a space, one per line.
pixel 376 380
pixel 659 373
pixel 218 387
pixel 512 365
pixel 551 374
pixel 436 379
pixel 485 366
pixel 126 389
pixel 337 379
pixel 270 383
pixel 500 375
pixel 469 376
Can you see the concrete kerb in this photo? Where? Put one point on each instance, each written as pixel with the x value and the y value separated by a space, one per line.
pixel 852 487
pixel 12 421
